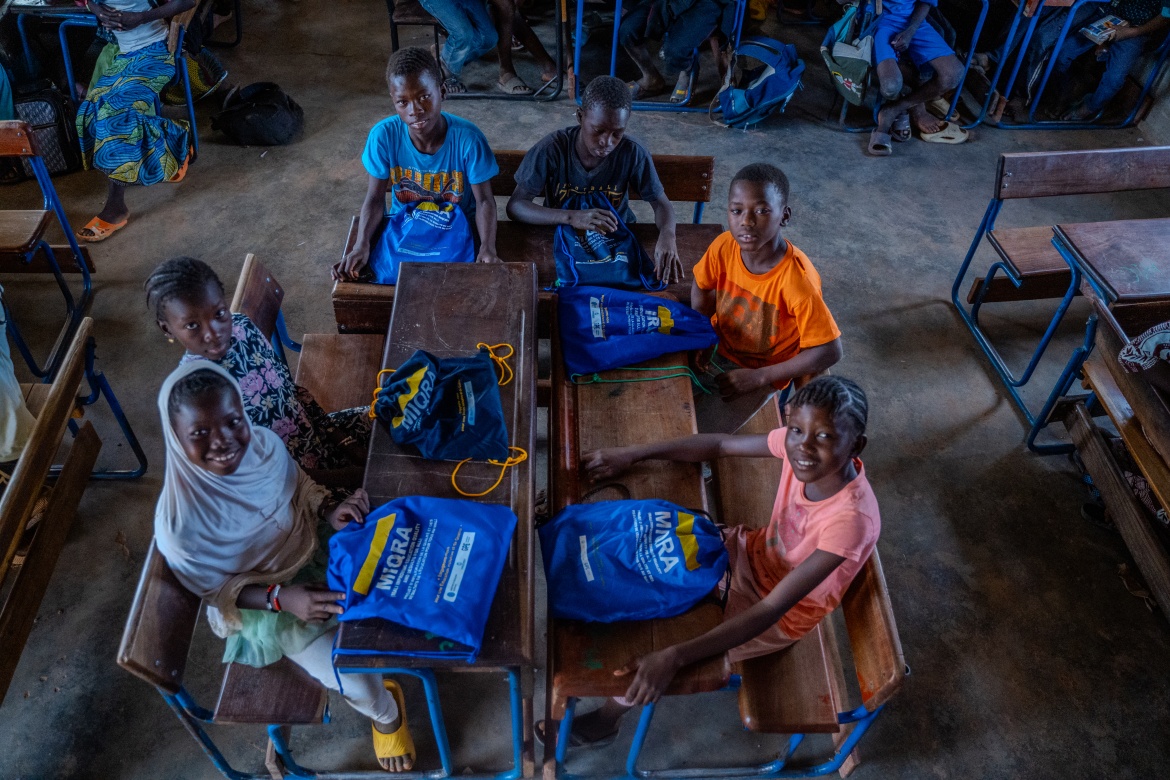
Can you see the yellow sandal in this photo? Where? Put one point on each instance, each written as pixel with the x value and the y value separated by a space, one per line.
pixel 400 743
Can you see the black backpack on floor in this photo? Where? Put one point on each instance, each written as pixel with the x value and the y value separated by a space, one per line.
pixel 260 114
pixel 52 118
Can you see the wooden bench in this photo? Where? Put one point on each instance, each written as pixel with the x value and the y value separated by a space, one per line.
pixel 582 657
pixel 24 585
pixel 1028 251
pixel 360 307
pixel 801 690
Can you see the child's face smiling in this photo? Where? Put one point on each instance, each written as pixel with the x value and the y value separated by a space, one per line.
pixel 602 129
pixel 755 214
pixel 203 326
pixel 213 432
pixel 418 99
pixel 820 452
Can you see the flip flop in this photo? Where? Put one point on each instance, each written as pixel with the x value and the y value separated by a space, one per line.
pixel 939 108
pixel 638 92
pixel 100 230
pixel 179 174
pixel 880 144
pixel 950 134
pixel 454 86
pixel 900 130
pixel 575 740
pixel 400 743
pixel 682 89
pixel 514 86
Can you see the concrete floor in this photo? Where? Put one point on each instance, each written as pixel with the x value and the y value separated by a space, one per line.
pixel 1029 657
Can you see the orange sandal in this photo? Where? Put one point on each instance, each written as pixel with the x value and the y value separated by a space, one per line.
pixel 179 174
pixel 100 230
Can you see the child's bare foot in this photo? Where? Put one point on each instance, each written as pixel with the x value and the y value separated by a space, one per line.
pixel 926 122
pixel 647 87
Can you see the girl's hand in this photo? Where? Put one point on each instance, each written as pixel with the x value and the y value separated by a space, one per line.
pixel 313 603
pixel 737 382
pixel 352 510
pixel 652 674
pixel 604 464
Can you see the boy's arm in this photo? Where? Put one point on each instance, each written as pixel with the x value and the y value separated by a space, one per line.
pixel 607 463
pixel 653 672
pixel 702 301
pixel 667 265
pixel 373 210
pixel 812 360
pixel 901 41
pixel 485 220
pixel 1157 24
pixel 521 208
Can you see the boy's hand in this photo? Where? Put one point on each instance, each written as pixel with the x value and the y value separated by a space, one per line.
pixel 652 674
pixel 599 220
pixel 312 603
pixel 352 510
pixel 487 256
pixel 667 264
pixel 737 382
pixel 901 41
pixel 350 267
pixel 604 464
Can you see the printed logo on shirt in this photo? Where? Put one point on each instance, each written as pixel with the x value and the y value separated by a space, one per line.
pixel 747 324
pixel 411 186
pixel 563 192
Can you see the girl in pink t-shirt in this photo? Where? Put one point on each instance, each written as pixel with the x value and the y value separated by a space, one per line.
pixel 787 576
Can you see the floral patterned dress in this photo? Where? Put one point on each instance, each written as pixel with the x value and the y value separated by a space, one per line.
pixel 272 400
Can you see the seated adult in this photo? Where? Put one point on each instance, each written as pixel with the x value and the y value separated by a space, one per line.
pixel 682 26
pixel 119 126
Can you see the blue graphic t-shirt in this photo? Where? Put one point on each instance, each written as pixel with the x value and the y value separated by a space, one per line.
pixel 464 159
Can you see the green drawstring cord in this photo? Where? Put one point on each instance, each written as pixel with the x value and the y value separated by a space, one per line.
pixel 683 371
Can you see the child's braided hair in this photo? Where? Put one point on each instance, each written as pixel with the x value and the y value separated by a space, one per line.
pixel 411 61
pixel 195 385
pixel 763 173
pixel 607 92
pixel 180 277
pixel 838 396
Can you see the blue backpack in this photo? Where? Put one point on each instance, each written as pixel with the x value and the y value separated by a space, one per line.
pixel 431 564
pixel 423 232
pixel 755 93
pixel 602 329
pixel 613 260
pixel 629 560
pixel 450 409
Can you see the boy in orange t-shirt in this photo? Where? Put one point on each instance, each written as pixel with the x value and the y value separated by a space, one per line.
pixel 764 299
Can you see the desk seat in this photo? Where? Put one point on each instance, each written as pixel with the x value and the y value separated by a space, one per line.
pixel 21 230
pixel 340 370
pixel 1030 253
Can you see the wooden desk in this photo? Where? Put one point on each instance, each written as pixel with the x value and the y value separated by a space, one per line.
pixel 1125 259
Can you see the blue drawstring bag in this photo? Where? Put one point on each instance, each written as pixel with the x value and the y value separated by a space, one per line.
pixel 608 260
pixel 431 564
pixel 449 409
pixel 602 329
pixel 423 232
pixel 629 560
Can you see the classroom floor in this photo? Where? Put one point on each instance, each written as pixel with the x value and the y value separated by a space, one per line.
pixel 1029 658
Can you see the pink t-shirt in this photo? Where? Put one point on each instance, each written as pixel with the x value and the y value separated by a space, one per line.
pixel 846 524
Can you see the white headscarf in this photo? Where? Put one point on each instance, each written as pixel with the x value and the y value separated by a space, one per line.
pixel 221 533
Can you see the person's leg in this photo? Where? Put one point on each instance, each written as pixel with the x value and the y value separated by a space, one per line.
pixel 115 209
pixel 688 32
pixel 927 50
pixel 462 36
pixel 1074 46
pixel 632 36
pixel 527 36
pixel 1119 61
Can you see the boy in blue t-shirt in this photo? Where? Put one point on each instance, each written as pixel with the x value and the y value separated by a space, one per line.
pixel 900 30
pixel 423 154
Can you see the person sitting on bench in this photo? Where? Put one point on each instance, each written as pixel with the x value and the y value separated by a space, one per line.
pixel 901 29
pixel 596 156
pixel 764 299
pixel 189 307
pixel 238 523
pixel 16 421
pixel 786 576
pixel 423 154
pixel 1149 355
pixel 682 26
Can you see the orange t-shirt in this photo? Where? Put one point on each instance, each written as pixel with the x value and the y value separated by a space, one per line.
pixel 764 319
pixel 845 524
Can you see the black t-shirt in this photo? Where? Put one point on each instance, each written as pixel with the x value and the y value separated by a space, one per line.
pixel 553 169
pixel 1138 12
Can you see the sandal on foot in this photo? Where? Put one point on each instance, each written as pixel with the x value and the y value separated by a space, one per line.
pixel 400 743
pixel 900 130
pixel 514 86
pixel 575 739
pixel 950 134
pixel 638 92
pixel 880 144
pixel 939 108
pixel 179 174
pixel 100 230
pixel 454 86
pixel 682 89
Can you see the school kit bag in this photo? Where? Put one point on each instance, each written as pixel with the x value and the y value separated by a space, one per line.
pixel 423 232
pixel 629 560
pixel 749 94
pixel 602 328
pixel 52 119
pixel 849 56
pixel 260 114
pixel 431 564
pixel 607 260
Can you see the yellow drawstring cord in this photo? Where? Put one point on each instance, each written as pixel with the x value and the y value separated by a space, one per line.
pixel 513 460
pixel 378 389
pixel 506 373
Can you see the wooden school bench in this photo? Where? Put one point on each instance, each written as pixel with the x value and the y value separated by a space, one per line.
pixel 360 307
pixel 1029 265
pixel 23 582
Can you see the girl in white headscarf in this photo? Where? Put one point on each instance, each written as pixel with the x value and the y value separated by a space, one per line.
pixel 238 522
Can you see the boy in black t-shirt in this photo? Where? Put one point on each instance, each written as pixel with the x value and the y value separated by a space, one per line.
pixel 596 156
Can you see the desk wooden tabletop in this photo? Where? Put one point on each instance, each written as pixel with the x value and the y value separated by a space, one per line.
pixel 446 309
pixel 1129 259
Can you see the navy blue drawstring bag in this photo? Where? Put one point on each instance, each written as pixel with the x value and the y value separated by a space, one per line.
pixel 608 260
pixel 602 329
pixel 423 232
pixel 629 560
pixel 431 564
pixel 450 409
